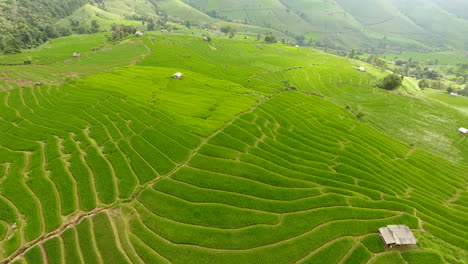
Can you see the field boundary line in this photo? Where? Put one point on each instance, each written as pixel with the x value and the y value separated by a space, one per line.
pixel 56 233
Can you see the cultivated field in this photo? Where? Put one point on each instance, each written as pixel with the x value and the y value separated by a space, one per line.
pixel 225 165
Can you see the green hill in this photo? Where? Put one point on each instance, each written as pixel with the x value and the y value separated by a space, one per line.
pixel 260 154
pixel 382 24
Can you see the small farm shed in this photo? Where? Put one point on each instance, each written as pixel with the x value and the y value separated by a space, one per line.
pixel 177 75
pixel 363 69
pixel 139 33
pixel 76 55
pixel 397 235
pixel 453 94
pixel 463 130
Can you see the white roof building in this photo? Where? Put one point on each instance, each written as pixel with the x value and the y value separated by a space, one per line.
pixel 397 235
pixel 453 94
pixel 363 69
pixel 177 75
pixel 463 130
pixel 139 33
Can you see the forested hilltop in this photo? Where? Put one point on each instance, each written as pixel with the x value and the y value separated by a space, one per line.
pixel 27 23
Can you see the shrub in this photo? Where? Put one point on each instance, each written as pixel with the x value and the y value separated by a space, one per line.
pixel 270 38
pixel 390 82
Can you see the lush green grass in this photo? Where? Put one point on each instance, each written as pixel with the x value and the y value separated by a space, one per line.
pixel 444 58
pixel 460 102
pixel 422 257
pixel 53 62
pixel 225 166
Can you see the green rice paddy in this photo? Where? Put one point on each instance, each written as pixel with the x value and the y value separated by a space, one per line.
pixel 129 165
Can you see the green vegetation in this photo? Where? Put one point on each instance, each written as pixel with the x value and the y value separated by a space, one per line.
pixel 293 156
pixel 390 82
pixel 28 23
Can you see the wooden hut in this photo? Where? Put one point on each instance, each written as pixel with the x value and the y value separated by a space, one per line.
pixel 399 235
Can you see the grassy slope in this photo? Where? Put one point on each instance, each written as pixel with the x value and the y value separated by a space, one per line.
pixel 104 18
pixel 53 61
pixel 343 84
pixel 352 23
pixel 224 166
pixel 460 103
pixel 444 58
pixel 442 25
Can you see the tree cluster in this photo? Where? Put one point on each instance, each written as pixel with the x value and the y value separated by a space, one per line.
pixel 390 82
pixel 28 23
pixel 270 38
pixel 120 31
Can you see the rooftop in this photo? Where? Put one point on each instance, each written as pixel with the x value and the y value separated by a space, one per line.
pixel 397 235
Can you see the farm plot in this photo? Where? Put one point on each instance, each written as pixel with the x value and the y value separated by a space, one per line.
pixel 412 119
pixel 295 179
pixel 223 166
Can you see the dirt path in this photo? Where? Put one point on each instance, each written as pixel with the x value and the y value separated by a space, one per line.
pixel 19 253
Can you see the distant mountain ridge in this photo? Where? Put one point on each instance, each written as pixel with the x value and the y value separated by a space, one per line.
pixel 370 25
pixel 352 23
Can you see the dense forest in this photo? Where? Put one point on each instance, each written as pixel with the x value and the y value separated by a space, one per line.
pixel 28 23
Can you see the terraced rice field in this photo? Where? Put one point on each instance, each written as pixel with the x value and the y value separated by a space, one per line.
pixel 132 166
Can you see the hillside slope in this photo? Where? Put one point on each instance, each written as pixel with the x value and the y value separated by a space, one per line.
pixel 355 23
pixel 226 165
pixel 28 23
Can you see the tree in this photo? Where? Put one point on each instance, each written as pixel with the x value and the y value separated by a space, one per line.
pixel 151 25
pixel 438 85
pixel 95 26
pixel 270 38
pixel 424 83
pixel 390 82
pixel 12 46
pixel 51 31
pixel 464 92
pixel 226 29
pixel 300 40
pixel 121 31
pixel 83 28
pixel 352 54
pixel 188 24
pixel 399 62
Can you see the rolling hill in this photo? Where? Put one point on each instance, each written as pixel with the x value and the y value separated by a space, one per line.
pixel 381 24
pixel 260 154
